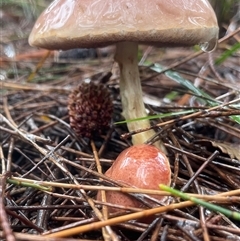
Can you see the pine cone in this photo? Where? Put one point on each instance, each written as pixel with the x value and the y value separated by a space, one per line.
pixel 90 109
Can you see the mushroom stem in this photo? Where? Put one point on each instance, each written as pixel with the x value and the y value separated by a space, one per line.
pixel 131 92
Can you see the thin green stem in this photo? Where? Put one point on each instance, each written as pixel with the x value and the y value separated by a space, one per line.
pixel 210 206
pixel 28 184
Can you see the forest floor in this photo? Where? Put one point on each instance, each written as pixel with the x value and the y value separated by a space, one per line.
pixel 49 176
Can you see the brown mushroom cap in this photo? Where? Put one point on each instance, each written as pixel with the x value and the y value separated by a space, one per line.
pixel 140 166
pixel 67 24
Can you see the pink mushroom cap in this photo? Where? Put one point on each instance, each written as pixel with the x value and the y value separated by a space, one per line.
pixel 140 166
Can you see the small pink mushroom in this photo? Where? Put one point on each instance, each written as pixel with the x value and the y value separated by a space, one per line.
pixel 140 166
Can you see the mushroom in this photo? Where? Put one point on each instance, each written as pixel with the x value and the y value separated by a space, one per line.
pixel 140 166
pixel 68 24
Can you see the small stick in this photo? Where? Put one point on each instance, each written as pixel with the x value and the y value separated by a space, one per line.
pixel 191 180
pixel 114 221
pixel 39 66
pixel 108 234
pixel 3 216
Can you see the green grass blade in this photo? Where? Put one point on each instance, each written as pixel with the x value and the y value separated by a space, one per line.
pixel 28 184
pixel 226 54
pixel 210 206
pixel 156 116
pixel 235 118
pixel 189 86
